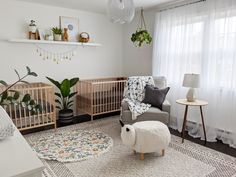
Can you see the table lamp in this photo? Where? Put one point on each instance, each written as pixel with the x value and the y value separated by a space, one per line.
pixel 192 81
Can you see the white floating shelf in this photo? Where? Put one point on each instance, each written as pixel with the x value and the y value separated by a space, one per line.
pixel 54 42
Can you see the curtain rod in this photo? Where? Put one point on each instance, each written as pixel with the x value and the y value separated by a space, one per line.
pixel 177 6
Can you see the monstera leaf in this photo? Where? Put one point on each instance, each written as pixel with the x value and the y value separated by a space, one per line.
pixel 9 96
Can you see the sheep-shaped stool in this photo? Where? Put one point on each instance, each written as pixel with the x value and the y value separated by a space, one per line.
pixel 146 137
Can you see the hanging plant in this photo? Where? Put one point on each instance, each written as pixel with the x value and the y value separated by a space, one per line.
pixel 141 35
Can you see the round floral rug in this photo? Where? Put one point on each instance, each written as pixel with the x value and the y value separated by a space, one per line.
pixel 72 146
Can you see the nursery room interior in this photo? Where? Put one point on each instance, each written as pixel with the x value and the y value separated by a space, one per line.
pixel 118 88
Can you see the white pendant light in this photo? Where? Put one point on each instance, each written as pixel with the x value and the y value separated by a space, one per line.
pixel 121 11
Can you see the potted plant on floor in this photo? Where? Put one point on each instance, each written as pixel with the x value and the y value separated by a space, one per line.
pixel 57 32
pixel 65 98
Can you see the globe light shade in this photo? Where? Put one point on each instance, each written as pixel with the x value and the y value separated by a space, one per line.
pixel 121 11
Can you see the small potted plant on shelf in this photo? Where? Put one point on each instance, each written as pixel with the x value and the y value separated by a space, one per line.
pixel 57 33
pixel 65 98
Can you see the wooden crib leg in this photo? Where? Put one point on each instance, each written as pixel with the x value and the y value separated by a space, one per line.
pixel 142 156
pixel 55 126
pixel 91 117
pixel 163 152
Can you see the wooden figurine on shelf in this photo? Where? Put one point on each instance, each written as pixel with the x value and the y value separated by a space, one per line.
pixel 65 35
pixel 33 33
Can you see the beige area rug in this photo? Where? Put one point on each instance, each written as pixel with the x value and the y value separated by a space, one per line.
pixel 181 160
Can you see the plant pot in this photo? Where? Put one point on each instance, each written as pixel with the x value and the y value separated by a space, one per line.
pixel 57 37
pixel 66 116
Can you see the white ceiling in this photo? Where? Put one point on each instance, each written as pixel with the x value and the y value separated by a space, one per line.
pixel 94 5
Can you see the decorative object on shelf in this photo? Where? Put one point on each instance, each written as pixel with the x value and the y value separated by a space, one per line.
pixel 32 27
pixel 65 35
pixel 64 98
pixel 10 96
pixel 40 34
pixel 48 37
pixel 56 56
pixel 33 33
pixel 121 11
pixel 141 35
pixel 192 81
pixel 57 33
pixel 84 37
pixel 72 24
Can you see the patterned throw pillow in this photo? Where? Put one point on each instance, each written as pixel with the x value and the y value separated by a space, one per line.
pixel 155 96
pixel 7 127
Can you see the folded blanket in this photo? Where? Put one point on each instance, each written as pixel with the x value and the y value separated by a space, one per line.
pixel 134 93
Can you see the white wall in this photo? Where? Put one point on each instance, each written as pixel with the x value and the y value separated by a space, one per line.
pixel 138 61
pixel 90 62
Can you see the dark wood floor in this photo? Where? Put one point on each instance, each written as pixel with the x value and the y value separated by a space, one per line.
pixel 218 146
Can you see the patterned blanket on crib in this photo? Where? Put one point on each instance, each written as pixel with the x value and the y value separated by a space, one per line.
pixel 134 93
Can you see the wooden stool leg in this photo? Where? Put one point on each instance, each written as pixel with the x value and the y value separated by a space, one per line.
pixel 163 152
pixel 142 156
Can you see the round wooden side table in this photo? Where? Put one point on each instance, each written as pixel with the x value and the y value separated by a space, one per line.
pixel 199 103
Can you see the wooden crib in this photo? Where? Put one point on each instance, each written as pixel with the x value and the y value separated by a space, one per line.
pixel 100 96
pixel 43 94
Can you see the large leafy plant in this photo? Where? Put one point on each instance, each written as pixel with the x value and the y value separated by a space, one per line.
pixel 64 97
pixel 9 96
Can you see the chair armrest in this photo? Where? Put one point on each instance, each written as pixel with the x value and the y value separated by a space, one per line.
pixel 166 106
pixel 124 106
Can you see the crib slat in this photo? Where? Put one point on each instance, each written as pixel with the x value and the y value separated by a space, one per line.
pixel 30 123
pixel 38 102
pixel 46 105
pixel 42 104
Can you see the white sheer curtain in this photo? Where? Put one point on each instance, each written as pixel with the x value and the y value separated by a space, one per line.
pixel 200 38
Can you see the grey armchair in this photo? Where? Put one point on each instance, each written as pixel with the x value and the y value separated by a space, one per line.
pixel 153 113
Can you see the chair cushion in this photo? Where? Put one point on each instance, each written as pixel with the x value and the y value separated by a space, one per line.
pixel 155 96
pixel 152 114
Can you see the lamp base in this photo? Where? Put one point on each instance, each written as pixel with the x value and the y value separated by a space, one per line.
pixel 191 97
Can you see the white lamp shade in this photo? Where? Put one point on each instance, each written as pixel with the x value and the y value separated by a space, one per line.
pixel 191 80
